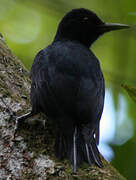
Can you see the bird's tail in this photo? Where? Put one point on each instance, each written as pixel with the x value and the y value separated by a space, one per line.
pixel 73 146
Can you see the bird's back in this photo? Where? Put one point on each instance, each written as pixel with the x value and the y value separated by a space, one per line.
pixel 62 74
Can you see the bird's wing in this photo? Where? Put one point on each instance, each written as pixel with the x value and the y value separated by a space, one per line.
pixel 40 94
pixel 90 101
pixel 54 86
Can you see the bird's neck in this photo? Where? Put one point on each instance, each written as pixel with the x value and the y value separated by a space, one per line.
pixel 76 36
pixel 85 43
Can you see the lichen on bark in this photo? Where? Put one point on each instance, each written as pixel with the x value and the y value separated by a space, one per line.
pixel 31 155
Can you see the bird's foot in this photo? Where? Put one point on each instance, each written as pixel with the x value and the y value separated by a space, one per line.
pixel 19 121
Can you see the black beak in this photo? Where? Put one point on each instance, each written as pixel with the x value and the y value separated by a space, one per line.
pixel 106 27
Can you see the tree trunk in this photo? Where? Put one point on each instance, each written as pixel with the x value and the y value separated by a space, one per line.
pixel 31 154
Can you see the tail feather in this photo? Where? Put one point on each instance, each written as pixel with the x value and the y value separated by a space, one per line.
pixel 95 153
pixel 88 154
pixel 74 148
pixel 60 146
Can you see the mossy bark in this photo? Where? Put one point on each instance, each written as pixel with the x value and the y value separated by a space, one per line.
pixel 31 155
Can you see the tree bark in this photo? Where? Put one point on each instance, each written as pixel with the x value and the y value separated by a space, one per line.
pixel 31 154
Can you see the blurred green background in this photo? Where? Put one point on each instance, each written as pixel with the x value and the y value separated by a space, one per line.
pixel 29 26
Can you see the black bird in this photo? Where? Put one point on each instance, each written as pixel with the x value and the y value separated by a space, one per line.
pixel 68 86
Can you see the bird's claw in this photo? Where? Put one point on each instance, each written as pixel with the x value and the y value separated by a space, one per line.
pixel 18 123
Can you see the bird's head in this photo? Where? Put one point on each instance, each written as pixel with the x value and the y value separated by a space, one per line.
pixel 84 26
